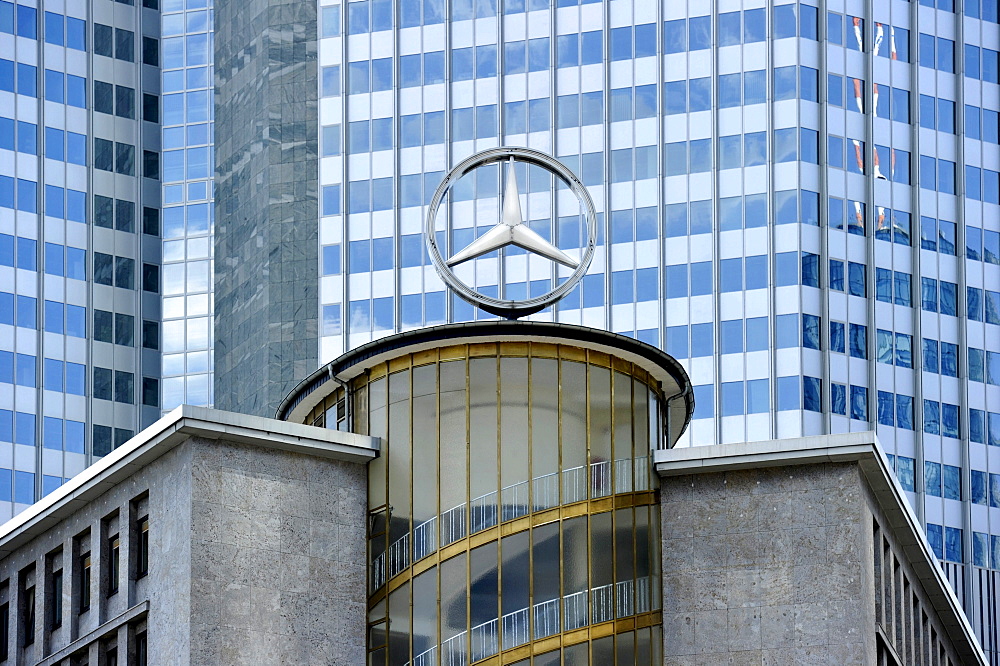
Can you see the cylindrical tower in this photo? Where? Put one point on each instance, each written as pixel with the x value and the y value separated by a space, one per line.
pixel 514 517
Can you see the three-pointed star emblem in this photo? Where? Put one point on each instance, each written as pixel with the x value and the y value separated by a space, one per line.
pixel 511 230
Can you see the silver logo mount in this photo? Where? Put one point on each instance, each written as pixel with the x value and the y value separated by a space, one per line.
pixel 511 230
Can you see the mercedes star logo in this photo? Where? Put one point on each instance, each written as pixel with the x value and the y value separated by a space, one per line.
pixel 511 230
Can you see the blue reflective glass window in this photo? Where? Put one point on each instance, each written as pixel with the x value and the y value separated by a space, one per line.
pixel 951 480
pixel 756 334
pixel 701 217
pixel 859 403
pixel 76 33
pixel 7 19
pixel 54 30
pixel 330 21
pixel 974 303
pixel 758 396
pixel 76 379
pixel 486 61
pixel 904 350
pixel 568 50
pixel 883 285
pixel 949 298
pixel 784 82
pixel 932 478
pixel 645 40
pixel 674 36
pixel 699 33
pixel 978 487
pixel 6 367
pixel 52 377
pixel 730 31
pixel 646 281
pixel 621 43
pixel 26 22
pixel 953 544
pixel 755 87
pixel 702 343
pixel 358 76
pixel 835 90
pixel 331 200
pixel 856 279
pixel 732 398
pixel 701 278
pixel 677 281
pixel 677 341
pixel 977 426
pixel 859 341
pixel 788 393
pixel 901 288
pixel 786 329
pixel 838 399
pixel 786 268
pixel 810 331
pixel 883 346
pixel 837 337
pixel 359 196
pixel 731 334
pixel 621 287
pixel 462 68
pixel 704 401
pixel 904 412
pixel 331 319
pixel 885 408
pixel 433 67
pixel 731 278
pixel 383 256
pixel 76 321
pixel 945 54
pixel 331 259
pixel 592 108
pixel 949 420
pixel 932 417
pixel 730 91
pixel 24 370
pixel 836 275
pixel 812 398
pixel 330 85
pixel 24 482
pixel 784 21
pixel 700 93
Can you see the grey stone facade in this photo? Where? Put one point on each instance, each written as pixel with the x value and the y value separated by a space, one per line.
pixel 266 269
pixel 255 550
pixel 800 552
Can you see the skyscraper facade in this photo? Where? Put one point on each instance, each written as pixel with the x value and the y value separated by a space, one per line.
pixel 79 236
pixel 799 201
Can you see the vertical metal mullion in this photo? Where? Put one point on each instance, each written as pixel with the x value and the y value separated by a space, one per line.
pixel 606 187
pixel 826 401
pixel 661 296
pixel 772 296
pixel 918 402
pixel 345 239
pixel 716 234
pixel 39 252
pixel 963 327
pixel 868 98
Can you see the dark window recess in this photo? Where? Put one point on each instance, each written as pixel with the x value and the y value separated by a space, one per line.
pixel 103 268
pixel 28 616
pixel 104 211
pixel 150 392
pixel 125 330
pixel 104 154
pixel 103 326
pixel 124 387
pixel 150 335
pixel 150 108
pixel 56 604
pixel 4 631
pixel 102 440
pixel 84 592
pixel 142 550
pixel 114 564
pixel 124 159
pixel 141 653
pixel 102 391
pixel 104 97
pixel 125 45
pixel 111 654
pixel 151 164
pixel 124 215
pixel 125 102
pixel 151 4
pixel 125 272
pixel 151 278
pixel 150 51
pixel 103 40
pixel 151 221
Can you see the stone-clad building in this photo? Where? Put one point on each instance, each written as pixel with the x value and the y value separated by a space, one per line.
pixel 489 493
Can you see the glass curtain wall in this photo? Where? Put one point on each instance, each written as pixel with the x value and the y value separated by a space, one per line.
pixel 529 511
pixel 188 202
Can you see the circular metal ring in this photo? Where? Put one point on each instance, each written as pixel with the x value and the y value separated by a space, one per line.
pixel 509 308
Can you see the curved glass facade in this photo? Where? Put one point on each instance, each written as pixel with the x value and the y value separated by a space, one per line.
pixel 508 516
